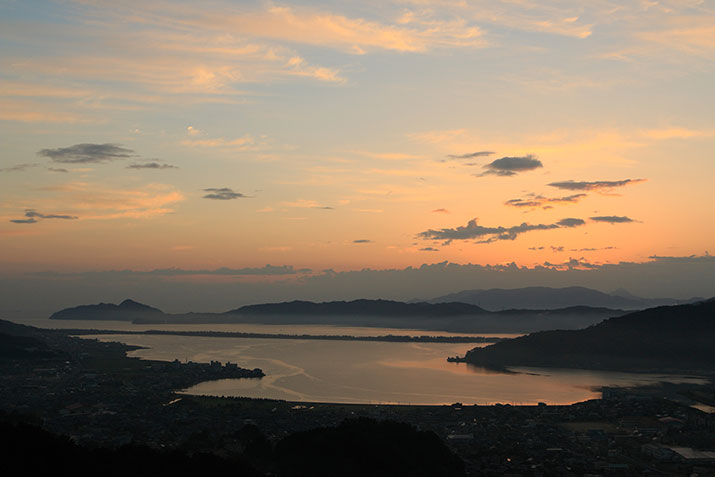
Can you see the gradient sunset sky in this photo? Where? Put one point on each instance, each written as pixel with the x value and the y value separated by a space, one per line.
pixel 345 135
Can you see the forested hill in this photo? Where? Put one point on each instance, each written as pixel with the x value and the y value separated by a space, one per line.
pixel 665 338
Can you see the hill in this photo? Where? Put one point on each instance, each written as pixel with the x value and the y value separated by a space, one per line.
pixel 360 308
pixel 547 298
pixel 666 338
pixel 453 317
pixel 127 310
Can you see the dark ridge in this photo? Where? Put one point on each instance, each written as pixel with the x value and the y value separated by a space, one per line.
pixel 126 311
pixel 666 338
pixel 360 308
pixel 552 298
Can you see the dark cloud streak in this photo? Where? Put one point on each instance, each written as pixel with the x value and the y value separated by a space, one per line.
pixel 594 185
pixel 612 219
pixel 470 155
pixel 510 166
pixel 151 165
pixel 87 153
pixel 223 193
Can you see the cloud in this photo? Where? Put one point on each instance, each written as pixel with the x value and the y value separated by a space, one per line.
pixel 595 185
pixel 151 165
pixel 541 201
pixel 223 193
pixel 612 219
pixel 362 241
pixel 35 214
pixel 487 234
pixel 87 153
pixel 32 216
pixel 441 211
pixel 18 167
pixel 572 264
pixel 470 155
pixel 429 249
pixel 592 249
pixel 569 222
pixel 57 169
pixel 509 166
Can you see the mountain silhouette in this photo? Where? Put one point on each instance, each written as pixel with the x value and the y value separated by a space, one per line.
pixel 665 338
pixel 551 298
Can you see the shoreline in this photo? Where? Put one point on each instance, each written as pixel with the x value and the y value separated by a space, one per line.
pixel 248 335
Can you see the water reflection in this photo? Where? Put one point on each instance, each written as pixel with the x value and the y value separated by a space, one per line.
pixel 377 372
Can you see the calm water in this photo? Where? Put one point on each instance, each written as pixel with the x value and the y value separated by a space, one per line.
pixel 359 372
pixel 372 372
pixel 245 328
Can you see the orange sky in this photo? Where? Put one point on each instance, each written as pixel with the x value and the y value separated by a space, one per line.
pixel 366 134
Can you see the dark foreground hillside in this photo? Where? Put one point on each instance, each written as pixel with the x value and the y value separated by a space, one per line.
pixel 667 338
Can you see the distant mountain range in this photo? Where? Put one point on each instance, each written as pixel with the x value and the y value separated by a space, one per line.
pixel 546 298
pixel 458 317
pixel 663 339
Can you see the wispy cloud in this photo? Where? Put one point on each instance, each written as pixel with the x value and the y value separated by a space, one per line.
pixel 223 193
pixel 151 165
pixel 102 202
pixel 87 153
pixel 541 201
pixel 362 241
pixel 491 234
pixel 595 185
pixel 470 155
pixel 32 215
pixel 19 167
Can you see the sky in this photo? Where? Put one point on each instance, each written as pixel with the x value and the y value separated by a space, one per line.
pixel 268 145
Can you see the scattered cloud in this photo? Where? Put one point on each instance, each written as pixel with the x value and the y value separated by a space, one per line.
pixel 470 155
pixel 573 264
pixel 87 153
pixel 152 165
pixel 32 216
pixel 57 169
pixel 533 200
pixel 612 219
pixel 490 234
pixel 223 193
pixel 362 241
pixel 569 222
pixel 429 249
pixel 592 249
pixel 440 211
pixel 510 166
pixel 595 185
